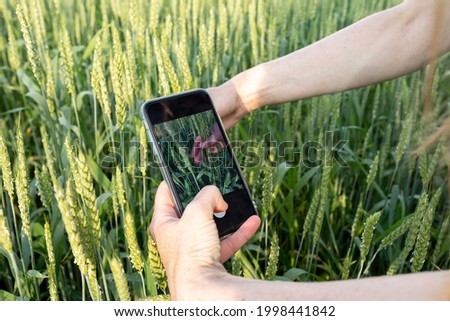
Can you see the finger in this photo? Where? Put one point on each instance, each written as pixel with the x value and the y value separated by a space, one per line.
pixel 217 134
pixel 206 202
pixel 235 241
pixel 196 150
pixel 207 144
pixel 164 209
pixel 198 157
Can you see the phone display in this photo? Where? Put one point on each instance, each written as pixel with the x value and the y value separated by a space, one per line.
pixel 193 151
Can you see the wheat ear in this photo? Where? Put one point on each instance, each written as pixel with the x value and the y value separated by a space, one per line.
pixel 272 265
pixel 120 278
pixel 51 265
pixel 423 237
pixel 21 180
pixel 32 53
pixel 5 236
pixel 369 227
pixel 156 266
pixel 44 187
pixel 5 166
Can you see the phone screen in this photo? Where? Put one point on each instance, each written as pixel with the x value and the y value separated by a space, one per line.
pixel 194 152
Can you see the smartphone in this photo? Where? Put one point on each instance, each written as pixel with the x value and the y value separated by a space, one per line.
pixel 193 151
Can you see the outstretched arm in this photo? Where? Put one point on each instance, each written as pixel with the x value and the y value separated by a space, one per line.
pixel 380 47
pixel 423 286
pixel 192 254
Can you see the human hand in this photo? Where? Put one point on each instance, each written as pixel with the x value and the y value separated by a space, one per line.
pixel 212 143
pixel 190 248
pixel 228 103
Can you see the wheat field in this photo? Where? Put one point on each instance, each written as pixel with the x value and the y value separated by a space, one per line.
pixel 78 176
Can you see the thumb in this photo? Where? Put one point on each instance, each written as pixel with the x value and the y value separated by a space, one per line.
pixel 205 203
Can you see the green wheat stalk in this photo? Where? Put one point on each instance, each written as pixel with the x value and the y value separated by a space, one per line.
pixel 412 234
pixel 443 234
pixel 5 165
pixel 5 236
pixel 32 53
pixel 423 237
pixel 13 54
pixel 155 264
pixel 130 68
pixel 67 63
pixel 22 183
pixel 372 172
pixel 369 227
pixel 272 265
pixel 44 187
pixel 51 264
pixel 50 87
pixel 120 278
pixel 133 245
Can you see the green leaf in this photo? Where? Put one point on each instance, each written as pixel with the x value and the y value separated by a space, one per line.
pixel 6 296
pixel 12 111
pixel 27 81
pixel 227 180
pixel 150 281
pixel 280 172
pixel 37 229
pixel 291 275
pixel 59 242
pixel 91 45
pixel 26 250
pixel 66 123
pixel 3 252
pixel 80 97
pixel 279 175
pixel 305 179
pixel 98 174
pixel 36 274
pixel 102 198
pixel 37 97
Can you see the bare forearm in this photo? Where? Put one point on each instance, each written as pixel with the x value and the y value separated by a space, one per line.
pixel 380 47
pixel 418 286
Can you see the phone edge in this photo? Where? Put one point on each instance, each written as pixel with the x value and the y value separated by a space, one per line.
pixel 162 164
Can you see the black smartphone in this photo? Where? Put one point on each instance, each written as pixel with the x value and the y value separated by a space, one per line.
pixel 193 151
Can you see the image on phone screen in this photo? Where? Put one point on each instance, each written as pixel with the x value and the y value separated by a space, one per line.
pixel 195 152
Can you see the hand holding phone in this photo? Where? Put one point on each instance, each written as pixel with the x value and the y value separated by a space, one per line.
pixel 189 246
pixel 193 151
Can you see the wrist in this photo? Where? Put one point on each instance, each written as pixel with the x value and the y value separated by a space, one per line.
pixel 204 284
pixel 231 91
pixel 250 87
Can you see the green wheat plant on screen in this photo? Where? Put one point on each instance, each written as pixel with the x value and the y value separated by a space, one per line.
pixel 78 176
pixel 177 143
